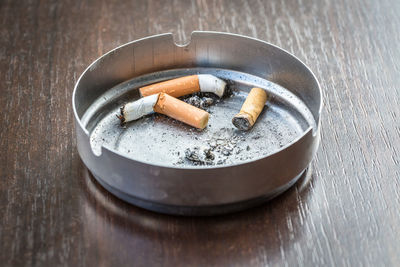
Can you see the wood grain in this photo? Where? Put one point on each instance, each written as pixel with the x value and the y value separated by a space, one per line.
pixel 344 213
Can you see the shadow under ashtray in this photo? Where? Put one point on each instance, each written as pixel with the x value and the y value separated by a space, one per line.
pixel 223 238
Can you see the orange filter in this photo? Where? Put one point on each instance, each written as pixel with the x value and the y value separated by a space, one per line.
pixel 181 111
pixel 177 87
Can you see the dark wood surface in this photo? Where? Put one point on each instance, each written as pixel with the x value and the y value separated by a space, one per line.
pixel 345 213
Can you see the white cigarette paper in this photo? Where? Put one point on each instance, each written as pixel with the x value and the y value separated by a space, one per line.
pixel 211 84
pixel 137 109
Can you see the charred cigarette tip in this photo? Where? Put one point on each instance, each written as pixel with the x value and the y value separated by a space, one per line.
pixel 242 122
pixel 121 116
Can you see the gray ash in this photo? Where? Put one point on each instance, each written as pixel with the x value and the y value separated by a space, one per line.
pixel 196 156
pixel 219 149
pixel 256 137
pixel 209 155
pixel 202 102
pixel 205 100
pixel 241 123
pixel 222 147
pixel 226 152
pixel 229 89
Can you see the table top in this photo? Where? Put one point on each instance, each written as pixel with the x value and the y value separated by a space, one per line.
pixel 346 212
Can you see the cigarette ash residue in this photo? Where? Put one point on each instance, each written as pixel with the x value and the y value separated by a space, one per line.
pixel 223 146
pixel 157 139
pixel 205 100
pixel 199 101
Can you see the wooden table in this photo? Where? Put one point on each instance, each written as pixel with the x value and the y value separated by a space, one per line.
pixel 347 212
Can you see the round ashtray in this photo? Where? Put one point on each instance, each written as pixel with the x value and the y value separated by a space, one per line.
pixel 145 162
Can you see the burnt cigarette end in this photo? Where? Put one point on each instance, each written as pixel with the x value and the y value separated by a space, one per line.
pixel 121 116
pixel 242 123
pixel 229 89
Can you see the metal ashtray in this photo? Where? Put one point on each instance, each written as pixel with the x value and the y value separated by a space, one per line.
pixel 145 162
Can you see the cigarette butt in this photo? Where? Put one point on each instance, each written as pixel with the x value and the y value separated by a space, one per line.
pixel 251 109
pixel 167 105
pixel 181 111
pixel 186 85
pixel 137 109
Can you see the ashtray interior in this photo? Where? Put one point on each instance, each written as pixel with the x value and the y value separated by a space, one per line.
pixel 159 140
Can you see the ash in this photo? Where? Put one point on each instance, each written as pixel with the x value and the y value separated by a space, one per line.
pixel 197 156
pixel 223 147
pixel 202 102
pixel 158 139
pixel 205 100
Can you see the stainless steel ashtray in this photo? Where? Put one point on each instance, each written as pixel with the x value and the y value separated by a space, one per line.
pixel 145 162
